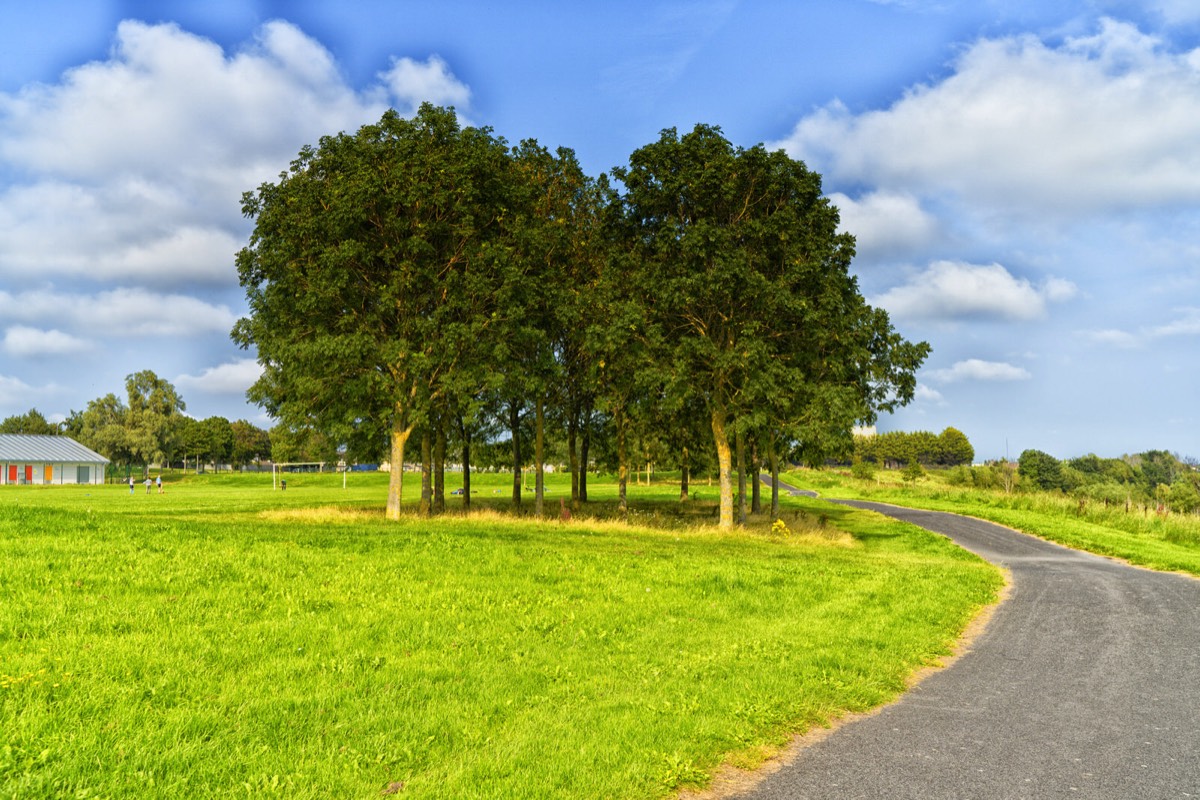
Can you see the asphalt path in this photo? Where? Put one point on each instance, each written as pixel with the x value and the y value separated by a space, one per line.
pixel 1085 683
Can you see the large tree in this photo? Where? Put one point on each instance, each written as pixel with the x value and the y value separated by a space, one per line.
pixel 747 279
pixel 366 271
pixel 154 416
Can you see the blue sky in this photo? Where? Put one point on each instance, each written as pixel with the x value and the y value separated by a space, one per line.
pixel 1023 178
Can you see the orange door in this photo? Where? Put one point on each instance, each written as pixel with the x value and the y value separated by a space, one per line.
pixel 12 473
pixel 48 474
pixel 29 473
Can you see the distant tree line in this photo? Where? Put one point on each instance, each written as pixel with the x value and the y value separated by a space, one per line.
pixel 148 426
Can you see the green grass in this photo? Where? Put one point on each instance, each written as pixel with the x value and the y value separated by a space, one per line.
pixel 1169 542
pixel 223 639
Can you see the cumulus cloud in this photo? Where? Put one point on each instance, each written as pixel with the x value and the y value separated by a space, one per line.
pixel 26 342
pixel 18 396
pixel 927 394
pixel 974 369
pixel 413 82
pixel 233 378
pixel 1107 121
pixel 956 290
pixel 884 222
pixel 131 168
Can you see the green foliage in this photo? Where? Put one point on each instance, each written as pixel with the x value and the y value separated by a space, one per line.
pixel 912 472
pixel 223 639
pixel 1041 470
pixel 863 470
pixel 31 422
pixel 949 448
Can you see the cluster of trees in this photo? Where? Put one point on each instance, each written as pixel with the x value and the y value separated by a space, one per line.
pixel 950 448
pixel 422 279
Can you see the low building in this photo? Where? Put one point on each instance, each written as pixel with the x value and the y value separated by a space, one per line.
pixel 48 460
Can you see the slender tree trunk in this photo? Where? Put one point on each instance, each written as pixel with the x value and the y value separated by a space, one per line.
pixel 539 454
pixel 622 464
pixel 755 491
pixel 685 475
pixel 584 447
pixel 741 468
pixel 725 468
pixel 439 469
pixel 774 461
pixel 572 456
pixel 514 424
pixel 426 507
pixel 466 464
pixel 400 432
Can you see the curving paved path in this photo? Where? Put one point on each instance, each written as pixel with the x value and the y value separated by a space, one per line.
pixel 1086 683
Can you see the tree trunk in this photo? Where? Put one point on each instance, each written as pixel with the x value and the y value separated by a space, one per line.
pixel 514 424
pixel 399 436
pixel 584 446
pixel 774 461
pixel 622 465
pixel 426 506
pixel 466 465
pixel 741 468
pixel 724 467
pixel 539 453
pixel 685 475
pixel 755 492
pixel 439 469
pixel 573 457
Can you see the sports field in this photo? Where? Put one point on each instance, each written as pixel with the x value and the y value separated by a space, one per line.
pixel 226 639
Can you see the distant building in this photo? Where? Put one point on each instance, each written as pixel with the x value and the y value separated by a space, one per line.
pixel 48 460
pixel 863 431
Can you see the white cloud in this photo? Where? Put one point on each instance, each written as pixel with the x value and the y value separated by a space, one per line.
pixel 131 169
pixel 414 82
pixel 26 342
pixel 974 369
pixel 135 312
pixel 955 290
pixel 1108 121
pixel 927 394
pixel 18 397
pixel 884 222
pixel 1114 337
pixel 233 378
pixel 1187 325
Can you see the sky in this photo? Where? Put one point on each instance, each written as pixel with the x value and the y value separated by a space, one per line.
pixel 1022 177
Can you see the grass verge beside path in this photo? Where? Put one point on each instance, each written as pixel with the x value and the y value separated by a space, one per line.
pixel 1168 543
pixel 222 640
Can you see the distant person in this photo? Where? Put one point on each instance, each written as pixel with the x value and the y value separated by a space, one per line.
pixel 131 484
pixel 149 483
pixel 159 482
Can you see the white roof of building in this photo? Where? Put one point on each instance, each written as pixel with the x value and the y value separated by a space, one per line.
pixel 57 449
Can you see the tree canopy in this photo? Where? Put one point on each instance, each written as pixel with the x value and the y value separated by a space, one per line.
pixel 411 275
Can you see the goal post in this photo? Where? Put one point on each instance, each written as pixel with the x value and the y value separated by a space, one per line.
pixel 284 467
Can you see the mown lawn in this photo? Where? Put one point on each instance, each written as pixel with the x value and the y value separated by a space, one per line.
pixel 225 639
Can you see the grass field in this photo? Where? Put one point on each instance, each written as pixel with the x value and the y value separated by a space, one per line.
pixel 225 639
pixel 1140 536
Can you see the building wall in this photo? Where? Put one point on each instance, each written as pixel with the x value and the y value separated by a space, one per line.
pixel 42 473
